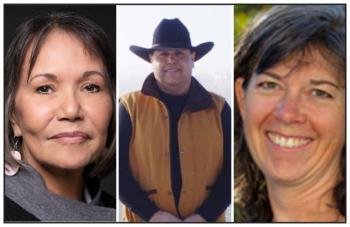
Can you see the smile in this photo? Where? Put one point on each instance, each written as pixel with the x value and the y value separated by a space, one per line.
pixel 287 141
pixel 172 70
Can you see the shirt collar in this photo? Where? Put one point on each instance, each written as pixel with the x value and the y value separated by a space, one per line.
pixel 198 99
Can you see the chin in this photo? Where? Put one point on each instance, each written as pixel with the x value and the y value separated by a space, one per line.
pixel 284 176
pixel 73 163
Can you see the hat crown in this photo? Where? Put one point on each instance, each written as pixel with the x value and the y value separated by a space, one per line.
pixel 171 33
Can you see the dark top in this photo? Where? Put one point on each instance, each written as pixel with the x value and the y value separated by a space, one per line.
pixel 130 192
pixel 27 199
pixel 15 213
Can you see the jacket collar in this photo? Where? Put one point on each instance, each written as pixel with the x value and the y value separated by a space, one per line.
pixel 198 99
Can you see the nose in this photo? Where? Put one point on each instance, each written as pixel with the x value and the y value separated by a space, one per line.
pixel 289 110
pixel 70 107
pixel 171 58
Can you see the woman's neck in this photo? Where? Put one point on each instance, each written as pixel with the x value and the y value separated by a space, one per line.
pixel 65 183
pixel 311 200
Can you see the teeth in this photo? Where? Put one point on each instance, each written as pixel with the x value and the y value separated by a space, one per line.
pixel 288 142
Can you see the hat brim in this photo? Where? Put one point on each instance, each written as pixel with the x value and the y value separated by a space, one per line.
pixel 201 50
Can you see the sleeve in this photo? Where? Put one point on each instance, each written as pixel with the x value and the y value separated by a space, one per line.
pixel 220 198
pixel 130 192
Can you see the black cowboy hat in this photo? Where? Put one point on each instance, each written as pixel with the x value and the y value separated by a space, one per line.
pixel 171 34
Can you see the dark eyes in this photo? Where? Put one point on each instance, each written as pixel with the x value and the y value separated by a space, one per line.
pixel 176 53
pixel 45 89
pixel 92 88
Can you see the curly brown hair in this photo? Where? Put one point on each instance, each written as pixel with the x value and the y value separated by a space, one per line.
pixel 272 37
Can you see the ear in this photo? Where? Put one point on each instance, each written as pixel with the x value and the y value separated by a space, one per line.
pixel 15 125
pixel 150 57
pixel 193 55
pixel 240 95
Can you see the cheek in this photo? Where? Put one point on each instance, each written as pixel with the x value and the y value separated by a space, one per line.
pixel 328 121
pixel 33 113
pixel 257 109
pixel 99 111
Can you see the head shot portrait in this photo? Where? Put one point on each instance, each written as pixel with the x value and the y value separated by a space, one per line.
pixel 289 130
pixel 174 134
pixel 59 116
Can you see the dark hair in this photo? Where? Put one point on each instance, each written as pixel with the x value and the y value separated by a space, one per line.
pixel 271 38
pixel 31 35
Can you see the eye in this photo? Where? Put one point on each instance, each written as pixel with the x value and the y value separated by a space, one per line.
pixel 92 88
pixel 321 94
pixel 268 85
pixel 162 54
pixel 45 89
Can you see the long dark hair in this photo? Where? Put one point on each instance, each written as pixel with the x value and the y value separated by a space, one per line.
pixel 271 38
pixel 32 33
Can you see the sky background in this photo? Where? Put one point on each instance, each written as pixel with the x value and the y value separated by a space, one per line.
pixel 136 24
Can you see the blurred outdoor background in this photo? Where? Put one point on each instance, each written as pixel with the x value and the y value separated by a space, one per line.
pixel 244 14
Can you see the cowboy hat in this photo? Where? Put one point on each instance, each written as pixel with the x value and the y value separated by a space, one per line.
pixel 170 34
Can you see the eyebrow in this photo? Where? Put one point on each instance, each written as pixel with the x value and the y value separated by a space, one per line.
pixel 321 82
pixel 49 76
pixel 91 73
pixel 273 75
pixel 313 82
pixel 53 77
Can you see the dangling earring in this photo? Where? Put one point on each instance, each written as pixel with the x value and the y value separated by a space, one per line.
pixel 11 170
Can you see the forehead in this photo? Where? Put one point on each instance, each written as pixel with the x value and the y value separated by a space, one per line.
pixel 53 43
pixel 313 61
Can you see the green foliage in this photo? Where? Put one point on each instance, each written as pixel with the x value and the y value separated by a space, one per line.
pixel 244 14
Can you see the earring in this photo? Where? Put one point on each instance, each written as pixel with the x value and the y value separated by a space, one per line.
pixel 11 170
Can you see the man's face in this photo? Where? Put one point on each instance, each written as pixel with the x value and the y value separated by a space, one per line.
pixel 173 69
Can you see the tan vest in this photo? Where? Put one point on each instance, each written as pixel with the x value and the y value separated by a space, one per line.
pixel 200 139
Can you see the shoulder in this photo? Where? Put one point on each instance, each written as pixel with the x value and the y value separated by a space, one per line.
pixel 130 96
pixel 14 212
pixel 218 100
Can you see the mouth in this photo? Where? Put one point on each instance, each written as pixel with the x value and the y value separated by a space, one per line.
pixel 288 141
pixel 71 137
pixel 171 69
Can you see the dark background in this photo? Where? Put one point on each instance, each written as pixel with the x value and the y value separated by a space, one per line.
pixel 103 14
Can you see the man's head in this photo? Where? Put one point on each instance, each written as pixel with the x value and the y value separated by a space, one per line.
pixel 172 55
pixel 172 69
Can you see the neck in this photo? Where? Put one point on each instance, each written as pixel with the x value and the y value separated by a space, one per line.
pixel 177 90
pixel 65 183
pixel 310 201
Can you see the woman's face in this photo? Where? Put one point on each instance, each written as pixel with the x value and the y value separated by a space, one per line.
pixel 294 118
pixel 63 109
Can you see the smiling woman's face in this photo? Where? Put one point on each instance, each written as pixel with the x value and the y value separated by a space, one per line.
pixel 294 118
pixel 63 109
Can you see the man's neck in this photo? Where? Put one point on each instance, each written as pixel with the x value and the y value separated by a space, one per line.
pixel 182 89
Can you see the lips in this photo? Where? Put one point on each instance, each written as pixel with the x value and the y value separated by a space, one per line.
pixel 71 137
pixel 171 69
pixel 288 141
